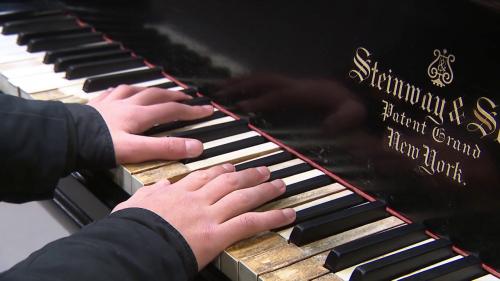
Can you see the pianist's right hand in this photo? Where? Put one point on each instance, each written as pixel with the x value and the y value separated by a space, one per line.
pixel 129 111
pixel 211 208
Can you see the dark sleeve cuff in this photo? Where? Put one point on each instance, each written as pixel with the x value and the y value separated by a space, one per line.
pixel 167 232
pixel 132 244
pixel 91 145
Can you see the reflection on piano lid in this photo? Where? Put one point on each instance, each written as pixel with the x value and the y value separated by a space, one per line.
pixel 396 99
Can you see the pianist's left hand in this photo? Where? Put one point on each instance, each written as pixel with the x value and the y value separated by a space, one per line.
pixel 129 111
pixel 211 208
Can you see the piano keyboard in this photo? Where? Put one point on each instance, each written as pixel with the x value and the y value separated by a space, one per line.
pixel 338 234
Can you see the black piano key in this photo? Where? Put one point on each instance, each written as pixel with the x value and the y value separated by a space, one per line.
pixel 331 224
pixel 25 14
pixel 328 207
pixel 463 269
pixel 197 101
pixel 290 171
pixel 325 208
pixel 62 64
pixel 166 85
pixel 39 24
pixel 103 82
pixel 63 41
pixel 214 132
pixel 305 185
pixel 52 56
pixel 179 124
pixel 24 37
pixel 226 148
pixel 102 67
pixel 265 161
pixel 192 91
pixel 404 262
pixel 357 251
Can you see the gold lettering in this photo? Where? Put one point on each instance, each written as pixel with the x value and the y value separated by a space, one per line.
pixel 362 63
pixel 485 116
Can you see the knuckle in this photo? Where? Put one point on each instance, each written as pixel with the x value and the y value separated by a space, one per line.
pixel 123 87
pixel 201 175
pixel 173 144
pixel 248 221
pixel 230 180
pixel 242 197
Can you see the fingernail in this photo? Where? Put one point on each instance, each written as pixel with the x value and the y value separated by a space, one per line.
pixel 193 148
pixel 279 184
pixel 263 171
pixel 228 167
pixel 289 213
pixel 110 89
pixel 208 107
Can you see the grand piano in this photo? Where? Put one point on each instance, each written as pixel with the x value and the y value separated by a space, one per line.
pixel 385 115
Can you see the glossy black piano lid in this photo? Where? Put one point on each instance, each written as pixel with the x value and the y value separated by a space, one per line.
pixel 291 68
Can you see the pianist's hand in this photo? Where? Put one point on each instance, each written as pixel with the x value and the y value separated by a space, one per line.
pixel 129 111
pixel 210 208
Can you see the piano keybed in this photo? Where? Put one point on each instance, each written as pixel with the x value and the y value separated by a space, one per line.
pixel 338 235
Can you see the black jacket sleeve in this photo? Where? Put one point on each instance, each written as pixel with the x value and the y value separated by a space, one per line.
pixel 131 244
pixel 41 141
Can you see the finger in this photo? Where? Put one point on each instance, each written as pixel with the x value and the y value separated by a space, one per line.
pixel 153 95
pixel 134 148
pixel 247 199
pixel 227 183
pixel 103 95
pixel 171 111
pixel 198 179
pixel 249 224
pixel 124 91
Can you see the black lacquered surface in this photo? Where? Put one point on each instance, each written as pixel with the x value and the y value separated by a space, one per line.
pixel 291 69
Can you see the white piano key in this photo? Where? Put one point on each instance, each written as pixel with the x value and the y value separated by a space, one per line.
pixel 302 176
pixel 276 152
pixel 49 81
pixel 197 126
pixel 155 82
pixel 13 49
pixel 345 274
pixel 76 90
pixel 219 159
pixel 21 56
pixel 28 70
pixel 430 266
pixel 226 140
pixel 8 39
pixel 264 148
pixel 285 164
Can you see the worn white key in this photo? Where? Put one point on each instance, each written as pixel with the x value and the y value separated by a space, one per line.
pixel 179 169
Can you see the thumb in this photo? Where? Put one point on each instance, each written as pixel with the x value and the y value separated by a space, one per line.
pixel 133 148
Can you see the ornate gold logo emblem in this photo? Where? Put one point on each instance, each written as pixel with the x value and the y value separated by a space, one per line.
pixel 440 69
